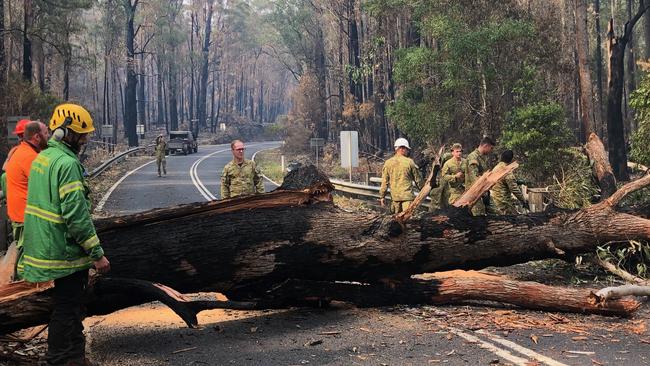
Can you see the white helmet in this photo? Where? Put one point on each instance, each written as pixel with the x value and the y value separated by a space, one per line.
pixel 402 142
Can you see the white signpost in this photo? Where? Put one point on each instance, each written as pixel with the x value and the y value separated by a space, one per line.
pixel 349 150
pixel 139 129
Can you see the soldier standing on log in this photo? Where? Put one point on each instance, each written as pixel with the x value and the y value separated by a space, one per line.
pixel 477 164
pixel 399 173
pixel 240 177
pixel 60 242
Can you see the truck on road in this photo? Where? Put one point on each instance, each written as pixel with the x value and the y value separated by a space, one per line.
pixel 182 141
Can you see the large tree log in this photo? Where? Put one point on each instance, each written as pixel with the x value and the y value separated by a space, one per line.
pixel 105 295
pixel 259 241
pixel 243 247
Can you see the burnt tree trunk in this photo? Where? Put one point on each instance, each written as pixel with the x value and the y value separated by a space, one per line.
pixel 584 70
pixel 601 168
pixel 203 80
pixel 240 246
pixel 615 124
pixel 130 107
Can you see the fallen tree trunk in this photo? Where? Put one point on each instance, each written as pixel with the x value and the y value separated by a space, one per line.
pixel 244 247
pixel 106 295
pixel 269 238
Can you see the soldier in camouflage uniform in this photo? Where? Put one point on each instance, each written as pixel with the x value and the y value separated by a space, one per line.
pixel 440 194
pixel 452 174
pixel 477 164
pixel 161 149
pixel 502 192
pixel 240 177
pixel 399 172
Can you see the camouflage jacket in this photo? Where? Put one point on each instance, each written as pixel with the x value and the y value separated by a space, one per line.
pixel 502 192
pixel 399 172
pixel 241 180
pixel 477 164
pixel 448 174
pixel 161 146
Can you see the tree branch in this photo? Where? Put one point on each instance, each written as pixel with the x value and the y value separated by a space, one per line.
pixel 631 187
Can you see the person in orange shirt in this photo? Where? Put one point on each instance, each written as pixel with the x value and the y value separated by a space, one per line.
pixel 17 168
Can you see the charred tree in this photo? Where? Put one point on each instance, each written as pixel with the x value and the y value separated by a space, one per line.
pixel 584 70
pixel 615 123
pixel 130 107
pixel 203 81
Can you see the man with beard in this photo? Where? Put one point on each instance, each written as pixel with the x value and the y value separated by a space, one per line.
pixel 60 241
pixel 18 166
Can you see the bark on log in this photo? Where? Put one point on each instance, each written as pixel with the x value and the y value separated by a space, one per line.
pixel 106 295
pixel 244 247
pixel 601 168
pixel 452 288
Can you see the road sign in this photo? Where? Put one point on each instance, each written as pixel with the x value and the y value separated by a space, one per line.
pixel 317 142
pixel 139 129
pixel 349 150
pixel 107 131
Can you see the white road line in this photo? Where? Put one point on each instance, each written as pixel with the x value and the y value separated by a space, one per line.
pixel 194 175
pixel 264 176
pixel 523 350
pixel 505 354
pixel 101 203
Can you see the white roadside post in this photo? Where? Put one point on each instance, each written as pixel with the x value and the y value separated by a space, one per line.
pixel 349 150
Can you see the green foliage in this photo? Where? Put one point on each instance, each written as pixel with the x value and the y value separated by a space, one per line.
pixel 640 101
pixel 633 257
pixel 537 133
pixel 573 186
pixel 27 99
pixel 461 81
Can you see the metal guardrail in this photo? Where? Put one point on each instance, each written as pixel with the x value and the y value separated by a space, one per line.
pixel 364 191
pixel 97 171
pixel 355 189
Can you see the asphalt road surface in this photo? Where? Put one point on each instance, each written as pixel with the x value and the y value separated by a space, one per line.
pixel 190 178
pixel 341 335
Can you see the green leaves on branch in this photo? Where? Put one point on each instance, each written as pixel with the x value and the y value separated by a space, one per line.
pixel 640 101
pixel 537 133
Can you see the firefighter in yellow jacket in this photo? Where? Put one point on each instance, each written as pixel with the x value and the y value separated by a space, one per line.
pixel 399 173
pixel 61 243
pixel 240 177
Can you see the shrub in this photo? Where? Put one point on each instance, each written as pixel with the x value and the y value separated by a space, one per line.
pixel 537 133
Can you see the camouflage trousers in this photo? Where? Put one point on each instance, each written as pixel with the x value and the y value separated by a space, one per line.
pixel 161 162
pixel 399 206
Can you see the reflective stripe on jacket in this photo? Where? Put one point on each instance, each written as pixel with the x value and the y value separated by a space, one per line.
pixel 59 236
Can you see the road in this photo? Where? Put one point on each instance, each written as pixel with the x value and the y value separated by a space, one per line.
pixel 190 178
pixel 342 335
